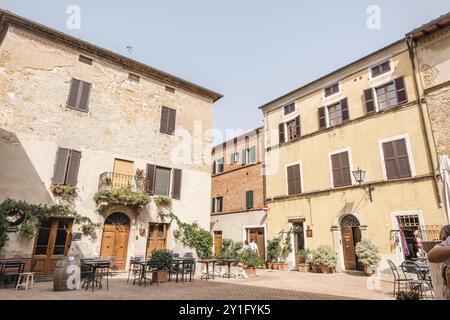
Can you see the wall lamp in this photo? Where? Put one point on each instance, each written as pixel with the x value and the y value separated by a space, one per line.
pixel 359 176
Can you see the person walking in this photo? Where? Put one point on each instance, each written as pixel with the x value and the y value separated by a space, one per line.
pixel 439 258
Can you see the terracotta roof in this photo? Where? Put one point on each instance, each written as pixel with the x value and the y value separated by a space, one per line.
pixel 431 26
pixel 7 18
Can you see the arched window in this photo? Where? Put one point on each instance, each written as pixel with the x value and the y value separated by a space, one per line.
pixel 350 221
pixel 117 219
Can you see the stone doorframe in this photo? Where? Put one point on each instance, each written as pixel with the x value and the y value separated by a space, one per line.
pixel 337 235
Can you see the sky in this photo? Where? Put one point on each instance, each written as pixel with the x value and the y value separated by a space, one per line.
pixel 251 51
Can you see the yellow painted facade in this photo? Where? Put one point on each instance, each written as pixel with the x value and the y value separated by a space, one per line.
pixel 320 205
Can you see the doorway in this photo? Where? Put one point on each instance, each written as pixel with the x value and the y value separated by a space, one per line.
pixel 257 234
pixel 53 241
pixel 351 235
pixel 116 233
pixel 123 171
pixel 157 237
pixel 217 243
pixel 299 240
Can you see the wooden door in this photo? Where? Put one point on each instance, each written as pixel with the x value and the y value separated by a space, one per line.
pixel 53 241
pixel 348 246
pixel 115 244
pixel 299 240
pixel 157 237
pixel 217 242
pixel 257 234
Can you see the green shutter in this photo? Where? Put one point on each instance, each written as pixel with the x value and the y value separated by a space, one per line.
pixel 220 165
pixel 214 167
pixel 244 158
pixel 252 154
pixel 249 199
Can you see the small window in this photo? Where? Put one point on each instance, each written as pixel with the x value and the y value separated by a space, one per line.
pixel 85 59
pixel 387 97
pixel 134 77
pixel 340 167
pixel 333 89
pixel 79 95
pixel 168 120
pixel 396 159
pixel 219 204
pixel 234 158
pixel 380 69
pixel 65 171
pixel 290 108
pixel 249 200
pixel 294 180
pixel 162 181
pixel 170 89
pixel 220 167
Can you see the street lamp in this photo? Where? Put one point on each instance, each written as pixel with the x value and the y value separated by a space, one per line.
pixel 359 176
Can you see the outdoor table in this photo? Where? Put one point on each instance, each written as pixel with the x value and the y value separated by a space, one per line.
pixel 207 275
pixel 91 278
pixel 229 262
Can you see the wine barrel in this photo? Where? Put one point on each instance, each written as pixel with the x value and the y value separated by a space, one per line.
pixel 63 272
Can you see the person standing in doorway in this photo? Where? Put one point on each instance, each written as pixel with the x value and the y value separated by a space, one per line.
pixel 254 247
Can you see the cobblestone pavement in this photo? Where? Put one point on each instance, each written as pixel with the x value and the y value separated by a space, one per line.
pixel 269 285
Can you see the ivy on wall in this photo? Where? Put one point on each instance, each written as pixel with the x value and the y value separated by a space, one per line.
pixel 194 236
pixel 34 214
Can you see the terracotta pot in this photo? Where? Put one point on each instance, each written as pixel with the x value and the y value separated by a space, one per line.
pixel 283 266
pixel 325 269
pixel 303 267
pixel 160 276
pixel 299 260
pixel 250 271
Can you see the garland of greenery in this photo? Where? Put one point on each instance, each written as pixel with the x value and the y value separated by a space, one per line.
pixel 123 195
pixel 35 214
pixel 194 236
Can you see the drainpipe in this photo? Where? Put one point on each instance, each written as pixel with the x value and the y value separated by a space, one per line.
pixel 412 56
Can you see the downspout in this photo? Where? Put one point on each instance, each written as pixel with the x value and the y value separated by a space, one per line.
pixel 421 98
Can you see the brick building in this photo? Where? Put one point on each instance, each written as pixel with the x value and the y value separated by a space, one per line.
pixel 238 191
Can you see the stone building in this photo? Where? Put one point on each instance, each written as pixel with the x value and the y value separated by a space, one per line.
pixel 349 157
pixel 74 114
pixel 237 204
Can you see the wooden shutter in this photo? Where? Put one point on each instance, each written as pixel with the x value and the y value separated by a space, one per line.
pixel 389 160
pixel 402 158
pixel 369 101
pixel 151 172
pixel 213 205
pixel 75 88
pixel 176 184
pixel 344 108
pixel 249 199
pixel 401 90
pixel 336 170
pixel 244 157
pixel 293 179
pixel 252 154
pixel 214 167
pixel 60 168
pixel 84 96
pixel 345 169
pixel 164 128
pixel 322 118
pixel 341 169
pixel 74 165
pixel 172 121
pixel 282 136
pixel 297 126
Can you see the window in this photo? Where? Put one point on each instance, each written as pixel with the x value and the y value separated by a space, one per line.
pixel 234 158
pixel 293 179
pixel 340 167
pixel 396 159
pixel 168 120
pixel 134 77
pixel 219 204
pixel 220 165
pixel 388 96
pixel 249 200
pixel 170 89
pixel 79 95
pixel 290 130
pixel 380 69
pixel 158 181
pixel 85 59
pixel 66 167
pixel 214 167
pixel 337 114
pixel 251 153
pixel 333 89
pixel 290 108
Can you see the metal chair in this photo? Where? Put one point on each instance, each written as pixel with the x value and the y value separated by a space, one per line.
pixel 11 269
pixel 420 284
pixel 134 267
pixel 188 268
pixel 398 278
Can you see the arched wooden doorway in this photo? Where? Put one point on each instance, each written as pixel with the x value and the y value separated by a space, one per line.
pixel 115 238
pixel 351 235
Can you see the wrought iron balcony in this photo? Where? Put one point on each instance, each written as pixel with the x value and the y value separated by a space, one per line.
pixel 115 181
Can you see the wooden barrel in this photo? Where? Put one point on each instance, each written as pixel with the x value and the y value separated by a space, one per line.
pixel 62 274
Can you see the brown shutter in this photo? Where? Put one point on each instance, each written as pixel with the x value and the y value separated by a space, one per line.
pixel 322 118
pixel 60 169
pixel 176 184
pixel 297 180
pixel 336 170
pixel 345 169
pixel 293 179
pixel 369 101
pixel 401 90
pixel 290 181
pixel 151 171
pixel 75 87
pixel 389 160
pixel 164 120
pixel 402 158
pixel 172 120
pixel 297 126
pixel 84 96
pixel 341 170
pixel 74 165
pixel 344 108
pixel 281 133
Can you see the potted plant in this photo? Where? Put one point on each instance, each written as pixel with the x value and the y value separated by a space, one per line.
pixel 368 256
pixel 250 260
pixel 302 261
pixel 139 179
pixel 164 259
pixel 285 251
pixel 273 253
pixel 325 258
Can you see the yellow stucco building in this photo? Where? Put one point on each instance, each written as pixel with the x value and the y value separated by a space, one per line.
pixel 366 115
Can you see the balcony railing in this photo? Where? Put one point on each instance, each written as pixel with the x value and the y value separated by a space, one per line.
pixel 114 181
